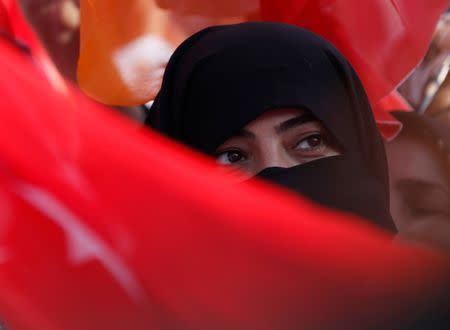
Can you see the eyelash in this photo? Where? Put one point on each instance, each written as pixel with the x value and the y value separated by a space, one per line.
pixel 300 140
pixel 305 136
pixel 225 152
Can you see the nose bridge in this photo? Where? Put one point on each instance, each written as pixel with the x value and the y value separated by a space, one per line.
pixel 273 154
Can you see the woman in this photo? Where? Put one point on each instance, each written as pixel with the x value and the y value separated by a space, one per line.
pixel 419 168
pixel 279 102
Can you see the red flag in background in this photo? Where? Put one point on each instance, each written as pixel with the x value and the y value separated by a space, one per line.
pixel 388 124
pixel 383 39
pixel 103 226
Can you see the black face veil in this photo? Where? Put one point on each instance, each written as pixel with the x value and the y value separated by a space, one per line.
pixel 224 77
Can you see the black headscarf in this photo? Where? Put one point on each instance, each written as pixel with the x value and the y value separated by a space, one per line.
pixel 224 77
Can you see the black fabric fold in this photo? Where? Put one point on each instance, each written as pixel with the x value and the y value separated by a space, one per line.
pixel 224 77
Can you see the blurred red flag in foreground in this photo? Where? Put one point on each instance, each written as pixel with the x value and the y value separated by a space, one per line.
pixel 103 226
pixel 20 30
pixel 5 24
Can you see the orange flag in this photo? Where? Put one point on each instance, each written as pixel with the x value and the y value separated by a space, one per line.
pixel 125 45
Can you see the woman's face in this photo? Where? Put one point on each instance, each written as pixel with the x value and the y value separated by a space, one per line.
pixel 420 192
pixel 278 138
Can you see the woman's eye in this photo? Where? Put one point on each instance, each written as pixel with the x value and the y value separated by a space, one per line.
pixel 230 157
pixel 311 142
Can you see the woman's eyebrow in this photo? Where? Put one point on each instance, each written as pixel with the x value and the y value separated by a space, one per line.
pixel 245 134
pixel 293 122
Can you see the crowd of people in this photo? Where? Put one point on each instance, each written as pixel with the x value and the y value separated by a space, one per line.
pixel 249 188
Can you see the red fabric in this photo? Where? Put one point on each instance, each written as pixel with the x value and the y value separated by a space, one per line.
pixel 20 27
pixel 382 39
pixel 105 226
pixel 5 24
pixel 389 125
pixel 394 102
pixel 22 31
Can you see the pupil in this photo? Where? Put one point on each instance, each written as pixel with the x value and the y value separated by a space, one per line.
pixel 234 156
pixel 315 141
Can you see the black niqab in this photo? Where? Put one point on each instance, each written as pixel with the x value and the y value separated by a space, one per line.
pixel 224 77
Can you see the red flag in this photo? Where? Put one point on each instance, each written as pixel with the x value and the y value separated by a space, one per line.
pixel 5 24
pixel 23 33
pixel 394 102
pixel 389 125
pixel 103 226
pixel 382 39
